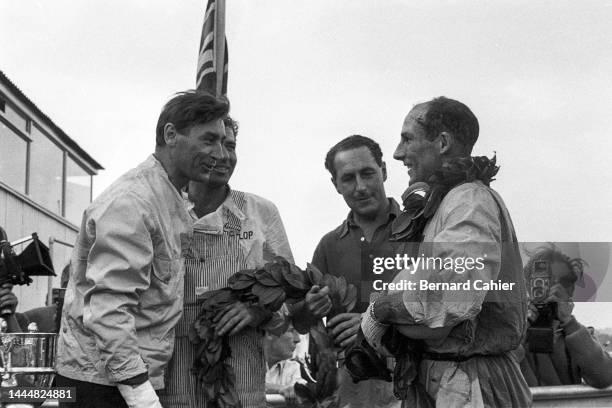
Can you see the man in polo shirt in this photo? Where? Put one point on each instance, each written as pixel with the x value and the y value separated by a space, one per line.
pixel 358 174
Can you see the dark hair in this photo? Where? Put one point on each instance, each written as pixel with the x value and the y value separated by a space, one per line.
pixel 229 122
pixel 350 143
pixel 551 254
pixel 448 115
pixel 190 108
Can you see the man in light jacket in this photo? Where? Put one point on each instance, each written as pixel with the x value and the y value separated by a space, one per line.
pixel 469 302
pixel 125 292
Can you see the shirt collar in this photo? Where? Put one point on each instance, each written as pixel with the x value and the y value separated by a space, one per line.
pixel 231 205
pixel 213 222
pixel 349 222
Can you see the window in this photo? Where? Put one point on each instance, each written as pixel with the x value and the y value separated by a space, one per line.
pixel 78 191
pixel 13 154
pixel 46 171
pixel 2 105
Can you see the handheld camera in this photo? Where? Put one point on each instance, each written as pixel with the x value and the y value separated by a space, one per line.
pixel 540 336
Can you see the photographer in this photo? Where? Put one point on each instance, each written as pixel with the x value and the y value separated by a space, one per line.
pixel 573 354
pixel 8 304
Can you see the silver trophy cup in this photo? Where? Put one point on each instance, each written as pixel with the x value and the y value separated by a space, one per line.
pixel 27 359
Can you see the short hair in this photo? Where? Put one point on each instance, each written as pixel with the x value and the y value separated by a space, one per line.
pixel 350 143
pixel 229 122
pixel 551 254
pixel 190 108
pixel 445 114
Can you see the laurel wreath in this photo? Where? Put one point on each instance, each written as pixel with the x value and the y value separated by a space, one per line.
pixel 269 287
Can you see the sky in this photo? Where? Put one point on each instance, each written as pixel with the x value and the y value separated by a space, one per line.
pixel 305 74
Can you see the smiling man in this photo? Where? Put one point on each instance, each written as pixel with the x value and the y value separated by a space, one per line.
pixel 358 174
pixel 124 295
pixel 469 335
pixel 232 230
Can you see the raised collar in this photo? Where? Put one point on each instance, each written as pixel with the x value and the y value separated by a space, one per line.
pixel 349 222
pixel 153 162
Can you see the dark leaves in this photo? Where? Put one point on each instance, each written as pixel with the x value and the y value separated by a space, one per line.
pixel 275 269
pixel 320 339
pixel 321 370
pixel 271 298
pixel 269 286
pixel 330 282
pixel 342 294
pixel 351 298
pixel 314 275
pixel 241 280
pixel 265 278
pixel 304 392
pixel 217 299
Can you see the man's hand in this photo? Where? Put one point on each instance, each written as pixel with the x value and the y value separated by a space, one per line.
pixel 344 328
pixel 8 300
pixel 390 309
pixel 532 313
pixel 233 319
pixel 558 295
pixel 565 304
pixel 317 302
pixel 307 312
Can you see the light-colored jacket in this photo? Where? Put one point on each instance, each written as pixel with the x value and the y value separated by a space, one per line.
pixel 125 293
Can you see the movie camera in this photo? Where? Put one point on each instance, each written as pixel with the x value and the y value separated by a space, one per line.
pixel 34 260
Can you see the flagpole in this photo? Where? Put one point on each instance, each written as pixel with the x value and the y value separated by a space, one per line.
pixel 220 45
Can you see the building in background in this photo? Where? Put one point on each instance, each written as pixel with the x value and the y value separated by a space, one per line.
pixel 46 182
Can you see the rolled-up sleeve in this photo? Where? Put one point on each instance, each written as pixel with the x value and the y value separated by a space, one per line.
pixel 465 251
pixel 119 267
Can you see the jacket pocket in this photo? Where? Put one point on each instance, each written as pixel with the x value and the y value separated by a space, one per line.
pixel 166 275
pixel 163 269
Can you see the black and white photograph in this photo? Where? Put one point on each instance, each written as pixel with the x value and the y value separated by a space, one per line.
pixel 290 203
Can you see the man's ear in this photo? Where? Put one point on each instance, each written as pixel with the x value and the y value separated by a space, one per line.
pixel 384 171
pixel 170 134
pixel 446 142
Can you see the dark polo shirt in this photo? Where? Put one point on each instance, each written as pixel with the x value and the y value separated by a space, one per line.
pixel 345 252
